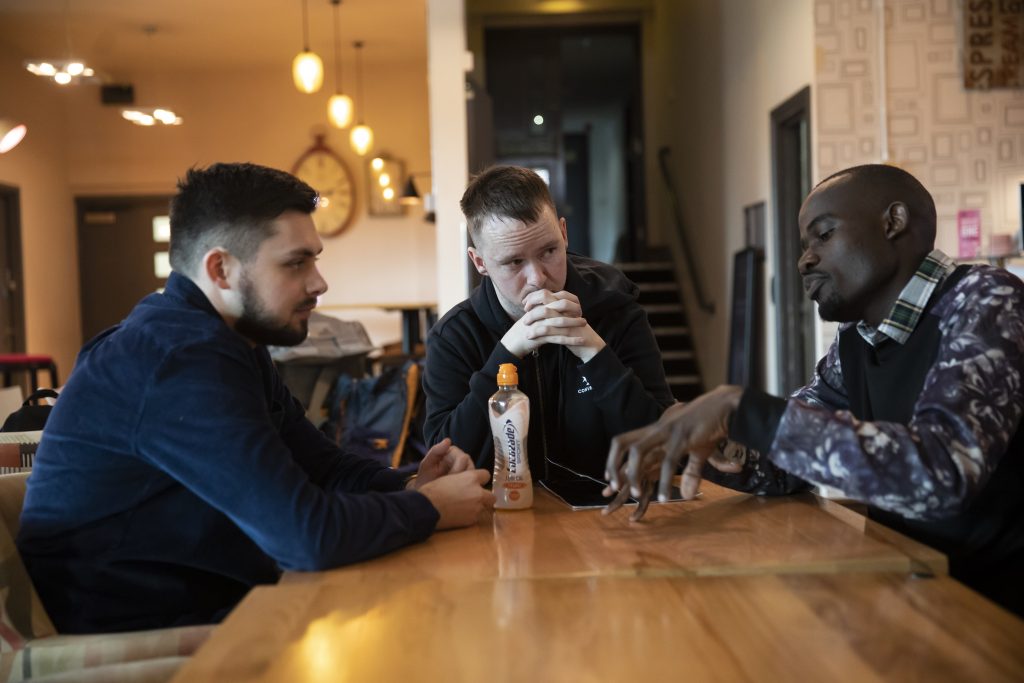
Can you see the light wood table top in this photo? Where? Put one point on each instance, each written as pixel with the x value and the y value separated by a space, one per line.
pixel 722 532
pixel 772 627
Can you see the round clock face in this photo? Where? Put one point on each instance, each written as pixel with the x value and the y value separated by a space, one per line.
pixel 326 173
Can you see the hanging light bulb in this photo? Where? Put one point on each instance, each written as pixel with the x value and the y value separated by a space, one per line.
pixel 361 137
pixel 307 67
pixel 340 107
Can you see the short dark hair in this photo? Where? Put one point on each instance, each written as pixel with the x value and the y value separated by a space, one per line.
pixel 231 206
pixel 884 184
pixel 504 192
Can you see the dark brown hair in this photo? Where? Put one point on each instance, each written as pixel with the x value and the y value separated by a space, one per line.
pixel 231 206
pixel 504 192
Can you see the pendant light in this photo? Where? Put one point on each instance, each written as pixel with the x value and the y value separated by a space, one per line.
pixel 66 71
pixel 361 137
pixel 340 106
pixel 307 67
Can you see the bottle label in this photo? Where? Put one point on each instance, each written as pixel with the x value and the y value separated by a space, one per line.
pixel 512 444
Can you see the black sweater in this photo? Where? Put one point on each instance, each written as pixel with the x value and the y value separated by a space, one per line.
pixel 575 408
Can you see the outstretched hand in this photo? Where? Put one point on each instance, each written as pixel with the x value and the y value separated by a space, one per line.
pixel 637 457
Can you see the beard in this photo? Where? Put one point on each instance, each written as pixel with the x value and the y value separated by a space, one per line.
pixel 833 308
pixel 260 327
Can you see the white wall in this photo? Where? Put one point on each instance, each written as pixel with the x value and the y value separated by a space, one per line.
pixel 38 168
pixel 728 64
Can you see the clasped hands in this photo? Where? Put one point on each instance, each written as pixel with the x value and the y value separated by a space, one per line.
pixel 640 458
pixel 553 318
pixel 449 479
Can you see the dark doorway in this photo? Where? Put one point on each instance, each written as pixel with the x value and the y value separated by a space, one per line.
pixel 576 207
pixel 791 181
pixel 567 102
pixel 12 299
pixel 121 258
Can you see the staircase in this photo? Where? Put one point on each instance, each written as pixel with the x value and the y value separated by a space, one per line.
pixel 660 297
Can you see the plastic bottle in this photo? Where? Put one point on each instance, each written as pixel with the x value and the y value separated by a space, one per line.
pixel 509 410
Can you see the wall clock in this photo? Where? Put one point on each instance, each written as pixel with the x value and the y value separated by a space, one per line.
pixel 327 173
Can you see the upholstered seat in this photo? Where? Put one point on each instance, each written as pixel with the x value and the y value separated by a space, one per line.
pixel 31 649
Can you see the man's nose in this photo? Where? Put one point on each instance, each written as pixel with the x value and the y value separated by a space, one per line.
pixel 807 261
pixel 535 275
pixel 317 285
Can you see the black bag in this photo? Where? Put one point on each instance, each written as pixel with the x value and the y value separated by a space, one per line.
pixel 31 416
pixel 380 417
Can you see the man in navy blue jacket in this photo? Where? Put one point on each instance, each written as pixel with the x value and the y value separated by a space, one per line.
pixel 176 471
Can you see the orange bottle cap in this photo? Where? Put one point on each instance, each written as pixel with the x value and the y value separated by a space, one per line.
pixel 507 375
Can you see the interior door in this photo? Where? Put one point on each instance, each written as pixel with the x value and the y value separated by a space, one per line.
pixel 122 256
pixel 12 301
pixel 791 182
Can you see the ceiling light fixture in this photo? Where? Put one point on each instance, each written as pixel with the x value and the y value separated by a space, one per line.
pixel 150 116
pixel 11 133
pixel 340 106
pixel 69 71
pixel 361 136
pixel 307 67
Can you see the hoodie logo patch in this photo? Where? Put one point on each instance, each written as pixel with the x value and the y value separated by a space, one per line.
pixel 584 385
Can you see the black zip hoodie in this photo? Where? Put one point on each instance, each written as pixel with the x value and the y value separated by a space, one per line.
pixel 575 408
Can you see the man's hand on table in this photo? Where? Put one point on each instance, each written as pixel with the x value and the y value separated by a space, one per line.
pixel 442 459
pixel 553 318
pixel 638 457
pixel 449 481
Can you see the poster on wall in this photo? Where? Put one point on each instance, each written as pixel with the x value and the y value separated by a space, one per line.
pixel 993 44
pixel 968 230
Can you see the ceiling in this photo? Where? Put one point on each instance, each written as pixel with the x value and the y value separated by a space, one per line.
pixel 112 35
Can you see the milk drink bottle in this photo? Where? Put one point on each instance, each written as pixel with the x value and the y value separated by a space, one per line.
pixel 509 410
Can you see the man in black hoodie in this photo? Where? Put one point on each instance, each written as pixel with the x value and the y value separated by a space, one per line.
pixel 586 355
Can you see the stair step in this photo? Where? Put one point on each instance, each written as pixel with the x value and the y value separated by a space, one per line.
pixel 676 355
pixel 628 266
pixel 657 286
pixel 666 330
pixel 683 379
pixel 663 308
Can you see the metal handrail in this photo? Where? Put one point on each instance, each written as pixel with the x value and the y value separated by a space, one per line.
pixel 666 175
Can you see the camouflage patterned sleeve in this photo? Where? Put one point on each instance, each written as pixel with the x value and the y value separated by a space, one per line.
pixel 756 423
pixel 969 409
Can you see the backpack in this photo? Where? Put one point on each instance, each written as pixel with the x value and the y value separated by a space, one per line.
pixel 30 417
pixel 380 417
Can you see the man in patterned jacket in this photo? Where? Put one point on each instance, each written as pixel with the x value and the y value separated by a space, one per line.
pixel 915 409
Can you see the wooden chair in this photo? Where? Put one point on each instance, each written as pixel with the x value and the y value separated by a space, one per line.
pixel 31 648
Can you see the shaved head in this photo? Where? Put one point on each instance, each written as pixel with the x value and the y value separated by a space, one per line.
pixel 876 186
pixel 864 231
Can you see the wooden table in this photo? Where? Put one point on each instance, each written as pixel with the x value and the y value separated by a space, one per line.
pixel 417 319
pixel 728 587
pixel 722 532
pixel 788 627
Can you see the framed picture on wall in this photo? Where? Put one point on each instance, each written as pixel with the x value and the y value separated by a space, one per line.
pixel 385 178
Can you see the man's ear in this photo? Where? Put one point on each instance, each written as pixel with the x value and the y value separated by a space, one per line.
pixel 897 220
pixel 478 261
pixel 218 265
pixel 565 232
